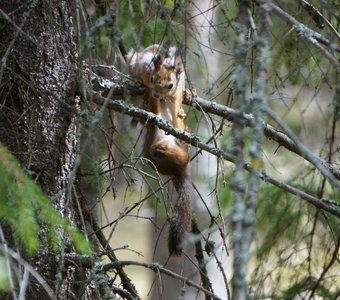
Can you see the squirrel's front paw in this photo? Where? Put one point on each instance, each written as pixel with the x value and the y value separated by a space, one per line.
pixel 189 95
pixel 181 114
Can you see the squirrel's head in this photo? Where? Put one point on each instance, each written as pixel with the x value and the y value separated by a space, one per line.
pixel 166 76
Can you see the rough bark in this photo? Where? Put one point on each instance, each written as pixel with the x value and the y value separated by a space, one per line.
pixel 38 116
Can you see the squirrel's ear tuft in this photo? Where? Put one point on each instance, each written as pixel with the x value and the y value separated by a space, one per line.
pixel 179 67
pixel 157 61
pixel 131 57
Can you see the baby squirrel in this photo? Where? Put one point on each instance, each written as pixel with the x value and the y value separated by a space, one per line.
pixel 164 79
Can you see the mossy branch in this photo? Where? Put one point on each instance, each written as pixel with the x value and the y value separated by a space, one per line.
pixel 145 116
pixel 122 86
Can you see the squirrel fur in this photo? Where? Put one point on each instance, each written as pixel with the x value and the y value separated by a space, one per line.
pixel 164 78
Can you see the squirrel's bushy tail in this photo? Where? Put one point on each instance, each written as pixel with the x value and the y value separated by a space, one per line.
pixel 181 219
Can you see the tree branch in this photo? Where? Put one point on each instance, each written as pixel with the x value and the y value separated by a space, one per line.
pixel 200 259
pixel 158 268
pixel 128 109
pixel 122 86
pixel 270 132
pixel 308 34
pixel 239 181
pixel 305 152
pixel 318 17
pixel 27 266
pixel 126 282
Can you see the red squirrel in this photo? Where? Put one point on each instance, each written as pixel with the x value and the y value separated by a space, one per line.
pixel 164 80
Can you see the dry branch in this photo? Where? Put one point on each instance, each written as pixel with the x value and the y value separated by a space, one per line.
pixel 128 109
pixel 309 35
pixel 122 86
pixel 159 268
pixel 126 281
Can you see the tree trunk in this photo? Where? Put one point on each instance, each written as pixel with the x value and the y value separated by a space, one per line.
pixel 38 122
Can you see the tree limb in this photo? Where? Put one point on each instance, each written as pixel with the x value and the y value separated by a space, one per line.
pixel 158 268
pixel 125 108
pixel 318 17
pixel 308 34
pixel 270 132
pixel 126 282
pixel 122 86
pixel 200 259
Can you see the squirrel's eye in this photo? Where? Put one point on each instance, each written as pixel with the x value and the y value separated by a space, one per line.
pixel 170 86
pixel 151 79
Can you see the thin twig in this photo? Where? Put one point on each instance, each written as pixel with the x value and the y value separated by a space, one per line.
pixel 126 282
pixel 18 29
pixel 200 259
pixel 158 268
pixel 123 293
pixel 326 269
pixel 305 152
pixel 16 256
pixel 308 34
pixel 316 13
